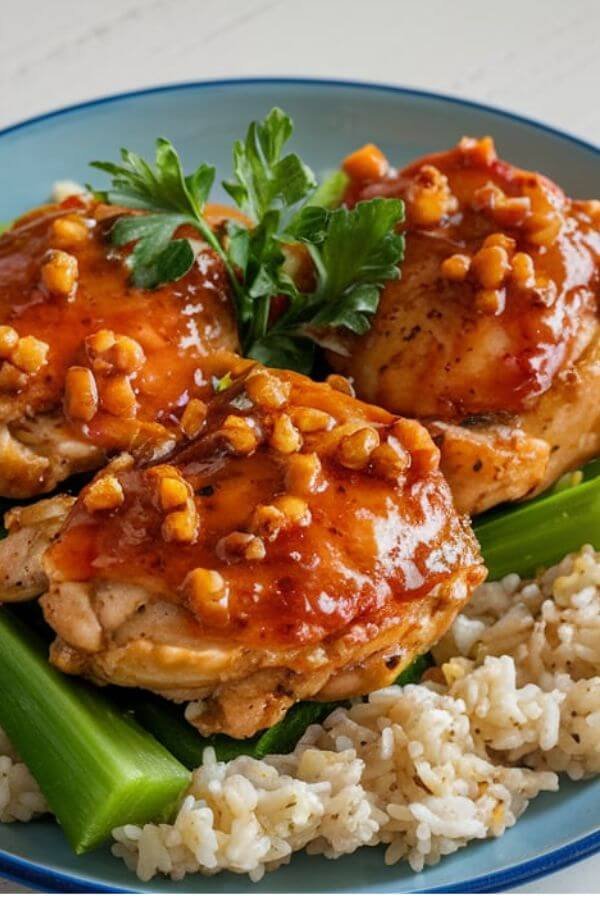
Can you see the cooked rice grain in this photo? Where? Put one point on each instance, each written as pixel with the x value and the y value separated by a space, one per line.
pixel 550 627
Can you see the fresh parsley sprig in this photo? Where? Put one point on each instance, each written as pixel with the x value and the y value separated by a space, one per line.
pixel 352 252
pixel 263 179
pixel 170 199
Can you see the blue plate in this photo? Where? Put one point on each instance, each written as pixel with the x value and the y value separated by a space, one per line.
pixel 331 119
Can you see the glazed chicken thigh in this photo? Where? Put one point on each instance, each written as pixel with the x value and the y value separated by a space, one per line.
pixel 303 545
pixel 491 336
pixel 90 364
pixel 32 529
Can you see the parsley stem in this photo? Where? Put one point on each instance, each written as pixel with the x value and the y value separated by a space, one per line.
pixel 321 273
pixel 261 317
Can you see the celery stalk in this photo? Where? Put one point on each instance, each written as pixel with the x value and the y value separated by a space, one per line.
pixel 96 766
pixel 539 533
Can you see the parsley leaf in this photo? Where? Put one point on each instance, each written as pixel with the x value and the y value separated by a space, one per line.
pixel 164 188
pixel 361 246
pixel 354 252
pixel 284 351
pixel 351 253
pixel 152 260
pixel 266 186
pixel 171 198
pixel 263 178
pixel 359 252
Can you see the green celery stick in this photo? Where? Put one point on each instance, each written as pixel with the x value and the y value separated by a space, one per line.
pixel 96 766
pixel 539 533
pixel 331 192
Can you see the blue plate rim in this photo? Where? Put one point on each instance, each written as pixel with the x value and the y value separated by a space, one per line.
pixel 300 81
pixel 37 876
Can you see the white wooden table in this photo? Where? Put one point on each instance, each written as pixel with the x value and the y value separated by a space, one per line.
pixel 537 58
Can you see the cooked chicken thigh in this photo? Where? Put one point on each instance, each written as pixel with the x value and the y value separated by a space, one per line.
pixel 303 545
pixel 90 364
pixel 491 337
pixel 31 531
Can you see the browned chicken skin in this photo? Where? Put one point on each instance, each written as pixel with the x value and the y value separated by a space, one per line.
pixel 303 545
pixel 31 529
pixel 89 364
pixel 491 337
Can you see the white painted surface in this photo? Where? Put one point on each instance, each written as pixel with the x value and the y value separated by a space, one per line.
pixel 537 58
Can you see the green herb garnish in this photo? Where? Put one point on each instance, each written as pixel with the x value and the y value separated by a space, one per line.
pixel 264 180
pixel 172 199
pixel 352 253
pixel 222 384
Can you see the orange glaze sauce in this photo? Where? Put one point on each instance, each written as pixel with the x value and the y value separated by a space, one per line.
pixel 177 325
pixel 370 548
pixel 541 326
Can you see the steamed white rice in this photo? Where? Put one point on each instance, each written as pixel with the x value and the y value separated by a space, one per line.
pixel 20 797
pixel 423 769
